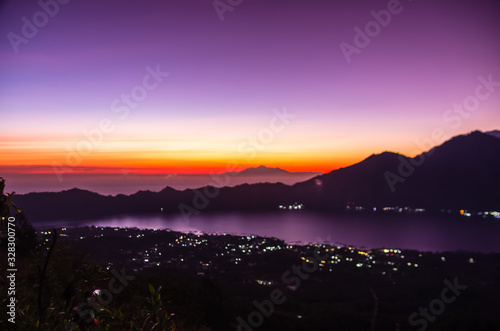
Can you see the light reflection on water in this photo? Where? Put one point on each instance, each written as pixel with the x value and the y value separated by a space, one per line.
pixel 363 231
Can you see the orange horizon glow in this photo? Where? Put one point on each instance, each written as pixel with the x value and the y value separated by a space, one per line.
pixel 185 170
pixel 21 155
pixel 201 153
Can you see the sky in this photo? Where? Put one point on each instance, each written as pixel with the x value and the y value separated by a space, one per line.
pixel 193 87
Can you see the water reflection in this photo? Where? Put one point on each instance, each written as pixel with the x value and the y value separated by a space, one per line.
pixel 422 233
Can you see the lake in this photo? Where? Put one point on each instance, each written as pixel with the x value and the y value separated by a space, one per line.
pixel 425 233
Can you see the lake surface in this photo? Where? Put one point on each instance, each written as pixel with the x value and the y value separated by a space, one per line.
pixel 423 233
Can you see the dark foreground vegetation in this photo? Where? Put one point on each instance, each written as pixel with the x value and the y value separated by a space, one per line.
pixel 114 279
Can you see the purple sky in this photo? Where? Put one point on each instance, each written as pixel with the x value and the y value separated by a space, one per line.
pixel 226 77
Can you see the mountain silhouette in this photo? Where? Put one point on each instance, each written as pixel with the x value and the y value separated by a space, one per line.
pixel 462 173
pixel 495 133
pixel 263 170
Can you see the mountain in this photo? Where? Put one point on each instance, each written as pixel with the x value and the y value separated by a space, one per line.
pixel 263 170
pixel 129 183
pixel 462 173
pixel 495 133
pixel 269 171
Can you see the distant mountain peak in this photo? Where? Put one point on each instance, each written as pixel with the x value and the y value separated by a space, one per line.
pixel 263 170
pixel 265 167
